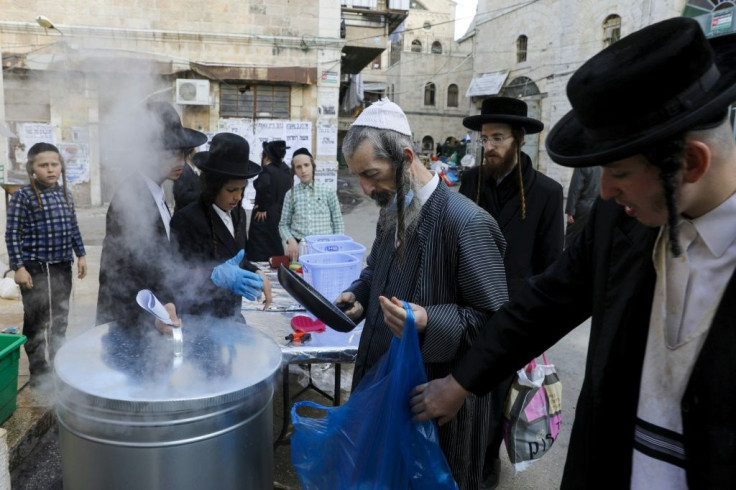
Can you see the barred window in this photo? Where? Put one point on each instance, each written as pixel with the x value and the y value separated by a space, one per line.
pixel 416 46
pixel 436 47
pixel 255 101
pixel 521 48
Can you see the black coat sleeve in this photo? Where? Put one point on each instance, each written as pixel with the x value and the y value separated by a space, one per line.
pixel 551 232
pixel 548 307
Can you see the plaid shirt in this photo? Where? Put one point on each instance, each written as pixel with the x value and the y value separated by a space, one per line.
pixel 43 235
pixel 313 210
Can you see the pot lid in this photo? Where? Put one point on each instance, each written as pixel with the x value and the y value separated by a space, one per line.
pixel 138 369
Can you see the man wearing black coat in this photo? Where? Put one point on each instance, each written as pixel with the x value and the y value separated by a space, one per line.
pixel 264 239
pixel 136 253
pixel 654 266
pixel 187 187
pixel 527 206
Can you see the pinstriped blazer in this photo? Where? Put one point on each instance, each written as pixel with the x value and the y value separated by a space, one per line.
pixel 453 267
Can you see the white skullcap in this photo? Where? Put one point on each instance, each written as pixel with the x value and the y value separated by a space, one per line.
pixel 384 114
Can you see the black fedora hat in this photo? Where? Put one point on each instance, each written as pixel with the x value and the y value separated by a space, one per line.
pixel 173 135
pixel 652 84
pixel 229 155
pixel 276 149
pixel 506 110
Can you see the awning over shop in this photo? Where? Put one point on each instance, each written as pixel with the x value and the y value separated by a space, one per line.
pixel 374 87
pixel 275 74
pixel 487 83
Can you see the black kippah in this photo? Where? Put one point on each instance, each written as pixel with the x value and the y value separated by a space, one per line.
pixel 302 151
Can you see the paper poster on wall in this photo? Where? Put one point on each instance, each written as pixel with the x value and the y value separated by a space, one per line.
pixel 327 173
pixel 76 161
pixel 328 98
pixel 298 134
pixel 242 127
pixel 32 133
pixel 327 136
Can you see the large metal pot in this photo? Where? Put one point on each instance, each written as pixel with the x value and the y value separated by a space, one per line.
pixel 133 415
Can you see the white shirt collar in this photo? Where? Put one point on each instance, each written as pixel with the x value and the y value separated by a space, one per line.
pixel 717 227
pixel 226 218
pixel 194 168
pixel 425 192
pixel 157 192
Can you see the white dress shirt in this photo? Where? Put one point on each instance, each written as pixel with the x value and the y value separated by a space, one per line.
pixel 157 191
pixel 226 218
pixel 677 330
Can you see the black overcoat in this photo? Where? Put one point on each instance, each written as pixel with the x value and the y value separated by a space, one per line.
pixel 608 273
pixel 534 242
pixel 204 242
pixel 136 255
pixel 186 188
pixel 271 186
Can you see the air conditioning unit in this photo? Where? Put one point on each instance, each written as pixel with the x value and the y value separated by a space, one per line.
pixel 192 92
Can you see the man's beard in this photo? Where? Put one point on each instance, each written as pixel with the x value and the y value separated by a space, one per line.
pixel 383 198
pixel 388 218
pixel 498 170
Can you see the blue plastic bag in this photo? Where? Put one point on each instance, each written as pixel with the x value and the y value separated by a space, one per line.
pixel 371 442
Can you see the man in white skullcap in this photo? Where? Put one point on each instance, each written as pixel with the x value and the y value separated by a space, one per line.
pixel 435 249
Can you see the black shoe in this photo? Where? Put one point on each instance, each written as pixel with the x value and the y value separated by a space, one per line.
pixel 491 475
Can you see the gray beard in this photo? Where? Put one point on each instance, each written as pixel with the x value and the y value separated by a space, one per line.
pixel 388 219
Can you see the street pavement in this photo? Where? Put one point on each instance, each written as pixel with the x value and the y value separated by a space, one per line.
pixel 42 470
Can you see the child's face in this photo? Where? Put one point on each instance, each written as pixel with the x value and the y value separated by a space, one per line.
pixel 230 194
pixel 47 168
pixel 303 168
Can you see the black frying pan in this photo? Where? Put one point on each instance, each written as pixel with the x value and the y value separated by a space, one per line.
pixel 313 301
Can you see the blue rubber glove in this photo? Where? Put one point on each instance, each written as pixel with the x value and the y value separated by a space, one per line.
pixel 240 281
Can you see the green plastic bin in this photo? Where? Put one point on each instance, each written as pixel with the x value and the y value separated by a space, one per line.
pixel 9 356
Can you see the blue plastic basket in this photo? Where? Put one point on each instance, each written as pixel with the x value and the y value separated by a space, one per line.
pixel 351 248
pixel 313 240
pixel 330 273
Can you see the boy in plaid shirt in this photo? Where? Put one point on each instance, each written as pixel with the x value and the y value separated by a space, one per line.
pixel 42 235
pixel 310 208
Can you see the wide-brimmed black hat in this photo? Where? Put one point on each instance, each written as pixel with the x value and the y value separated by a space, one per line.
pixel 506 110
pixel 173 135
pixel 229 155
pixel 651 85
pixel 276 150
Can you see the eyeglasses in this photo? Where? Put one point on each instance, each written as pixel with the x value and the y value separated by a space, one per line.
pixel 493 140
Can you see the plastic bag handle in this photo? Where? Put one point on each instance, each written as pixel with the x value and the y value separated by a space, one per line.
pixel 409 316
pixel 533 363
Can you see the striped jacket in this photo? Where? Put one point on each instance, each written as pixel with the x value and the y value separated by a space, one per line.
pixel 453 267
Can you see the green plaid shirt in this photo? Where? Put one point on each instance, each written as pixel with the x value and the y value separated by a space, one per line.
pixel 310 210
